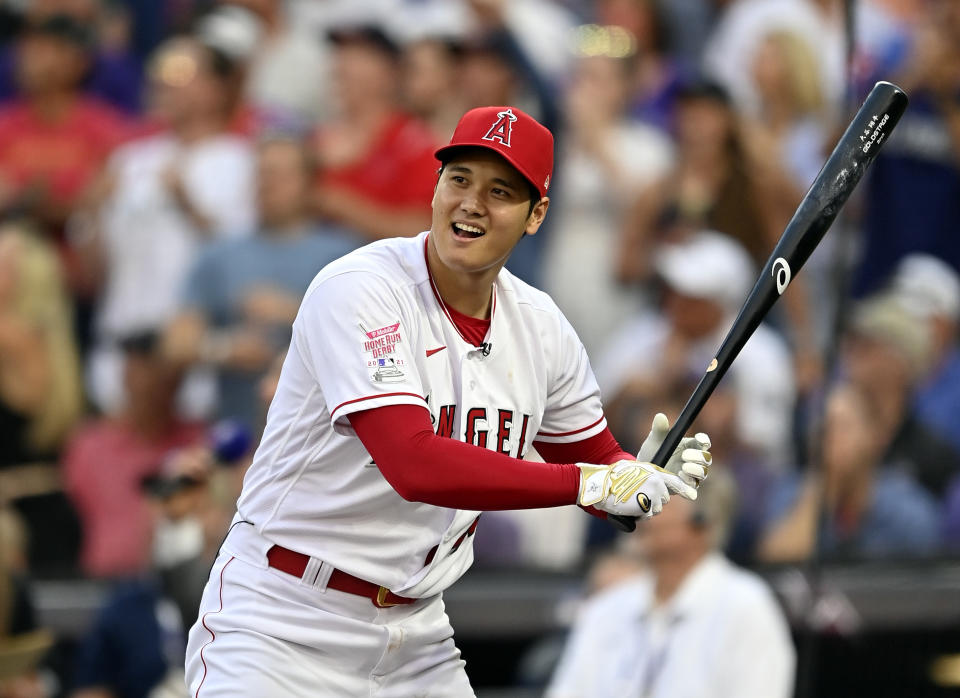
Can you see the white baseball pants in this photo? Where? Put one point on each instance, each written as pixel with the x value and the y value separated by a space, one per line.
pixel 263 633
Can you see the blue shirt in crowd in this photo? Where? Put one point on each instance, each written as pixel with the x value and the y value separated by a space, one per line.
pixel 937 402
pixel 902 518
pixel 228 270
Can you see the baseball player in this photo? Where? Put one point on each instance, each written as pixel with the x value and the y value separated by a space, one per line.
pixel 419 375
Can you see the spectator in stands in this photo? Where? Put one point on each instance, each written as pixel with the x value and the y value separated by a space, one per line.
pixel 488 74
pixel 53 138
pixel 657 76
pixel 242 295
pixel 160 198
pixel 40 396
pixel 951 517
pixel 136 643
pixel 517 54
pixel 719 184
pixel 853 503
pixel 887 352
pixel 22 645
pixel 431 83
pixel 654 353
pixel 690 602
pixel 912 201
pixel 605 160
pixel 108 457
pixel 113 75
pixel 790 125
pixel 288 75
pixel 742 26
pixel 540 30
pixel 376 166
pixel 40 393
pixel 712 185
pixel 930 288
pixel 785 138
pixel 754 479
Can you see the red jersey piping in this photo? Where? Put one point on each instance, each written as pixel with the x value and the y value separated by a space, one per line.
pixel 571 433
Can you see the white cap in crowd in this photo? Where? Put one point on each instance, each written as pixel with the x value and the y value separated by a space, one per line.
pixel 884 318
pixel 927 286
pixel 708 265
pixel 234 30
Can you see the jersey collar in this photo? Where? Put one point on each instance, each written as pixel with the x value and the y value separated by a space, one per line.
pixel 443 305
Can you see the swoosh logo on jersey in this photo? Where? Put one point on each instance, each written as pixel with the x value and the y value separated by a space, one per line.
pixel 431 352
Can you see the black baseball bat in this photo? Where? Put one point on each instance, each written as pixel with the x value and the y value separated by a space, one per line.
pixel 856 149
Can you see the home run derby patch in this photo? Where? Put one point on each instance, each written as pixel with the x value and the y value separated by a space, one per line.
pixel 380 347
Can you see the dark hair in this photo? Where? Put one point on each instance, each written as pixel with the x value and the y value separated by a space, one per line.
pixel 65 28
pixel 532 192
pixel 294 140
pixel 367 34
pixel 699 87
pixel 221 65
pixel 143 343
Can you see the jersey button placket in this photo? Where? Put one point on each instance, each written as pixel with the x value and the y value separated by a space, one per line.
pixel 468 386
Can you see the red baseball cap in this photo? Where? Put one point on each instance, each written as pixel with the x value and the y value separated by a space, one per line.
pixel 517 137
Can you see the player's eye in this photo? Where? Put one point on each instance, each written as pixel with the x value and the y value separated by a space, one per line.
pixel 459 179
pixel 502 193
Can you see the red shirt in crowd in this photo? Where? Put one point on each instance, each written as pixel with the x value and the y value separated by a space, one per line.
pixel 104 465
pixel 59 156
pixel 398 170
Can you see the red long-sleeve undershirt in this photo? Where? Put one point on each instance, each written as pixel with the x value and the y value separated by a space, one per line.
pixel 424 467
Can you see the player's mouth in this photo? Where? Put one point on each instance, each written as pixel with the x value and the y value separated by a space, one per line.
pixel 465 231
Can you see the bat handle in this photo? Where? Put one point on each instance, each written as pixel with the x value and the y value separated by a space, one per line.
pixel 675 435
pixel 627 524
pixel 670 443
pixel 690 412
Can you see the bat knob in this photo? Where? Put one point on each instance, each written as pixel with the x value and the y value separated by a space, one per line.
pixel 627 524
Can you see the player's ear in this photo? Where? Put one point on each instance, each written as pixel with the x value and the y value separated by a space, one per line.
pixel 433 199
pixel 436 185
pixel 535 219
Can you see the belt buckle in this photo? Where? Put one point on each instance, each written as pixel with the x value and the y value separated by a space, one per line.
pixel 381 601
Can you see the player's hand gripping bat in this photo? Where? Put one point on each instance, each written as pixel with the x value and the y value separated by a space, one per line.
pixel 867 132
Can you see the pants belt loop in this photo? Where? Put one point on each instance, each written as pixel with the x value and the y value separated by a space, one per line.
pixel 316 574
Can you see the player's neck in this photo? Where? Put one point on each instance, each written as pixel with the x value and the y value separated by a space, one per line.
pixel 466 293
pixel 471 300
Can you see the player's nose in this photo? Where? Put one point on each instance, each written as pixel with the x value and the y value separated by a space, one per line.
pixel 471 204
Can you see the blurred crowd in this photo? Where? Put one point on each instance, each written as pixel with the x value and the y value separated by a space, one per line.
pixel 174 173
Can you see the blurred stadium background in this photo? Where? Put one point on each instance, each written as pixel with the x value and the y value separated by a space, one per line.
pixel 174 172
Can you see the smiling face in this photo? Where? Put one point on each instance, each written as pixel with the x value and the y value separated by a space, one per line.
pixel 481 209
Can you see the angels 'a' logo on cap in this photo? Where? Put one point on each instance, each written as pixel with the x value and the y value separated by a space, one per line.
pixel 502 128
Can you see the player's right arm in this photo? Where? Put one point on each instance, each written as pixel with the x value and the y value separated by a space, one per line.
pixel 424 467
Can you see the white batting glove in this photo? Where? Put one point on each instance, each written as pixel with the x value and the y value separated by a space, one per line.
pixel 691 461
pixel 629 488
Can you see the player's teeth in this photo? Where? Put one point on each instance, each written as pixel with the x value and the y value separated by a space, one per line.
pixel 468 228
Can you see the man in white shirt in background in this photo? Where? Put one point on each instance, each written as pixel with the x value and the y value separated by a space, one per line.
pixel 637 638
pixel 160 199
pixel 705 277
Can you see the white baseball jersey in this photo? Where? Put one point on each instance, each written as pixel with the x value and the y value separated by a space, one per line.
pixel 372 331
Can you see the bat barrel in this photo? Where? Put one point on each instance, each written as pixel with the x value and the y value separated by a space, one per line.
pixel 856 149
